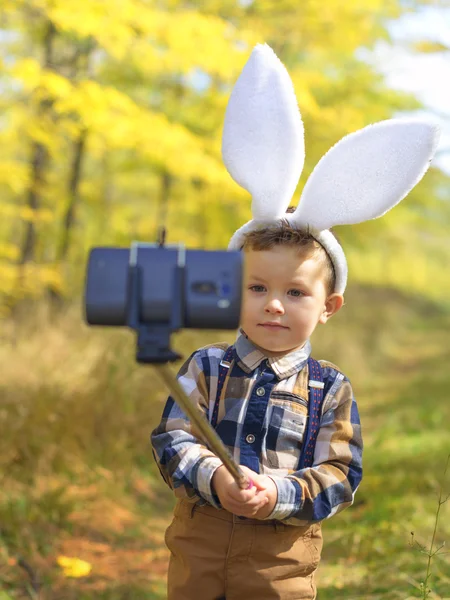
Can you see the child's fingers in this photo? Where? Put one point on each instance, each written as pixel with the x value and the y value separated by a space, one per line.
pixel 257 479
pixel 237 505
pixel 256 492
pixel 257 500
pixel 259 483
pixel 241 495
pixel 249 509
pixel 256 503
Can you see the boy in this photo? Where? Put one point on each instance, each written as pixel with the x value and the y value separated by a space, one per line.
pixel 274 550
pixel 265 542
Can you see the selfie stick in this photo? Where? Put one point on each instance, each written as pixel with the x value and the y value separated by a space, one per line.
pixel 207 431
pixel 154 348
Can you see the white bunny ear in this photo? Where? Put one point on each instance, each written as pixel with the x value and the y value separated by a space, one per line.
pixel 262 144
pixel 367 173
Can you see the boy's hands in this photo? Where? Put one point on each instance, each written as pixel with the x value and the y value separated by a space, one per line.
pixel 257 502
pixel 244 503
pixel 272 497
pixel 270 490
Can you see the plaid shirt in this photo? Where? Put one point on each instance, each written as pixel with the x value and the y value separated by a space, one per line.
pixel 261 420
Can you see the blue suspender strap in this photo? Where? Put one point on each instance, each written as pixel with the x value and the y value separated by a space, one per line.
pixel 224 369
pixel 316 396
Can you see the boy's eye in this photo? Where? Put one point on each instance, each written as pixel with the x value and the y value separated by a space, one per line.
pixel 296 293
pixel 257 288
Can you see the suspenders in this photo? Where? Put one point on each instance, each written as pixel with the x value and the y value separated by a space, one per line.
pixel 224 371
pixel 316 393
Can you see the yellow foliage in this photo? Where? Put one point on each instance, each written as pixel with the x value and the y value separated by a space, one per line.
pixel 408 269
pixel 28 71
pixel 9 210
pixel 8 276
pixel 109 21
pixel 120 123
pixel 147 84
pixel 214 51
pixel 74 567
pixel 14 175
pixel 430 47
pixel 42 215
pixel 161 40
pixel 55 85
pixel 30 280
pixel 9 251
pixel 42 131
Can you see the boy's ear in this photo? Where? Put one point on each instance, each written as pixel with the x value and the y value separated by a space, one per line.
pixel 333 303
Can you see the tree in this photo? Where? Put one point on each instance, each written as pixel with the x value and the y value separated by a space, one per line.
pixel 112 120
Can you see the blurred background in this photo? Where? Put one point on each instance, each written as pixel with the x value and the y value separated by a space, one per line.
pixel 110 126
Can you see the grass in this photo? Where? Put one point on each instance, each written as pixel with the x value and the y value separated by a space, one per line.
pixel 77 477
pixel 432 551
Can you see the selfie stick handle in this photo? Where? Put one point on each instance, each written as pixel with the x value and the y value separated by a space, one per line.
pixel 204 426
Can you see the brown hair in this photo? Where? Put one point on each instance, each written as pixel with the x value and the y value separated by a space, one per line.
pixel 284 234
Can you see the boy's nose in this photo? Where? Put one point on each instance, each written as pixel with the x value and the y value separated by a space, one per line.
pixel 274 307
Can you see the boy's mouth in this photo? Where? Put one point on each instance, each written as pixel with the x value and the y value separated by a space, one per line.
pixel 272 325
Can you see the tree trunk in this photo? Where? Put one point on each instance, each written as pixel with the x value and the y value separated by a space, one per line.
pixel 70 216
pixel 39 164
pixel 75 178
pixel 81 56
pixel 163 207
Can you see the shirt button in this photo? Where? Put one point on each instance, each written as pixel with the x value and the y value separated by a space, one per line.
pixel 250 438
pixel 260 391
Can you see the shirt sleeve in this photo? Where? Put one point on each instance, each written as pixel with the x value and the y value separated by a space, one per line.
pixel 184 461
pixel 326 488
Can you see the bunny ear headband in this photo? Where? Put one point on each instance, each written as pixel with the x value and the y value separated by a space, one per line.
pixel 360 178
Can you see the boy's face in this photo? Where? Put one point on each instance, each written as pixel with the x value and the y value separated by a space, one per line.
pixel 284 298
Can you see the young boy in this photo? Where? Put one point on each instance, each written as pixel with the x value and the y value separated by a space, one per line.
pixel 264 542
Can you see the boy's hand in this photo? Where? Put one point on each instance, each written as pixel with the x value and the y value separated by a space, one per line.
pixel 244 503
pixel 272 497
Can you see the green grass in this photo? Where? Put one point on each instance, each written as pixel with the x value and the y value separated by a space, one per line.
pixel 77 477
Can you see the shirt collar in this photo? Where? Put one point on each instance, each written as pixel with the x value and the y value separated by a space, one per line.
pixel 250 357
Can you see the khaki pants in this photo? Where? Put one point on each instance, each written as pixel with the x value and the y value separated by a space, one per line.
pixel 215 555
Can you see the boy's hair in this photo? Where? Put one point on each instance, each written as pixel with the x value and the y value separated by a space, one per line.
pixel 286 235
